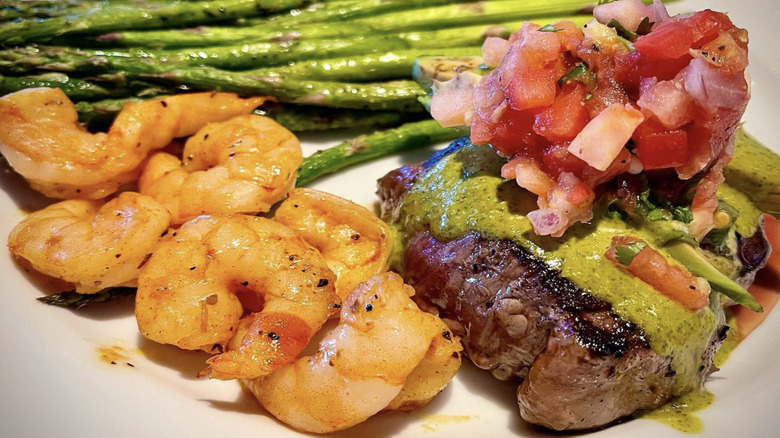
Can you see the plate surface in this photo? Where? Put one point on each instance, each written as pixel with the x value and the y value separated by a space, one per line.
pixel 57 379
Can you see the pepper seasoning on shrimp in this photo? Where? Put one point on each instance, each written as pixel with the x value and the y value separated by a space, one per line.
pixel 91 243
pixel 42 140
pixel 355 243
pixel 243 165
pixel 196 287
pixel 364 363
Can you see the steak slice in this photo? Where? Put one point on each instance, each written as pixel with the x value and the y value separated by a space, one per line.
pixel 581 365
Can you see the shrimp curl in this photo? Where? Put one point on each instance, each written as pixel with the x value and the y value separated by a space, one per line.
pixel 243 165
pixel 364 363
pixel 196 287
pixel 91 243
pixel 42 139
pixel 355 243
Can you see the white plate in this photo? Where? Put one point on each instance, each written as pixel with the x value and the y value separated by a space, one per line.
pixel 54 384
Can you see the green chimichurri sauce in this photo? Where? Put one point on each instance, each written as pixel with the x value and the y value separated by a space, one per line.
pixel 749 215
pixel 754 168
pixel 729 344
pixel 470 195
pixel 680 412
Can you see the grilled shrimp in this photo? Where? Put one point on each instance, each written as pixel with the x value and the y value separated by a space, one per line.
pixel 361 365
pixel 243 165
pixel 196 286
pixel 355 243
pixel 91 243
pixel 42 140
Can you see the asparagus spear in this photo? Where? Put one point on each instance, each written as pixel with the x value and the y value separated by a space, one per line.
pixel 339 11
pixel 299 118
pixel 39 9
pixel 393 95
pixel 379 144
pixel 247 56
pixel 31 9
pixel 399 95
pixel 342 10
pixel 371 67
pixel 296 118
pixel 179 13
pixel 75 89
pixel 77 300
pixel 429 18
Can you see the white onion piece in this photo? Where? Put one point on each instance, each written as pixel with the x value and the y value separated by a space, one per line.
pixel 528 175
pixel 602 139
pixel 658 11
pixel 628 13
pixel 494 49
pixel 669 102
pixel 710 88
pixel 452 103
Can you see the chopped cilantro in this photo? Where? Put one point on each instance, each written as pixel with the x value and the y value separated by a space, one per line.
pixel 626 253
pixel 682 214
pixel 622 31
pixel 656 214
pixel 580 73
pixel 645 204
pixel 549 28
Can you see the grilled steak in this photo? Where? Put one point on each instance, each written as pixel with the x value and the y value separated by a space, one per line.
pixel 581 365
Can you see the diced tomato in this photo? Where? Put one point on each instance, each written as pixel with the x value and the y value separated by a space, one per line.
pixel 579 193
pixel 658 147
pixel 533 65
pixel 673 281
pixel 567 115
pixel 569 35
pixel 532 89
pixel 672 38
pixel 557 159
pixel 513 133
pixel 699 152
pixel 607 93
pixel 705 202
pixel 728 52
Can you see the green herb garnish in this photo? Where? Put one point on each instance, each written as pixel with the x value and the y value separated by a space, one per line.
pixel 549 28
pixel 626 253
